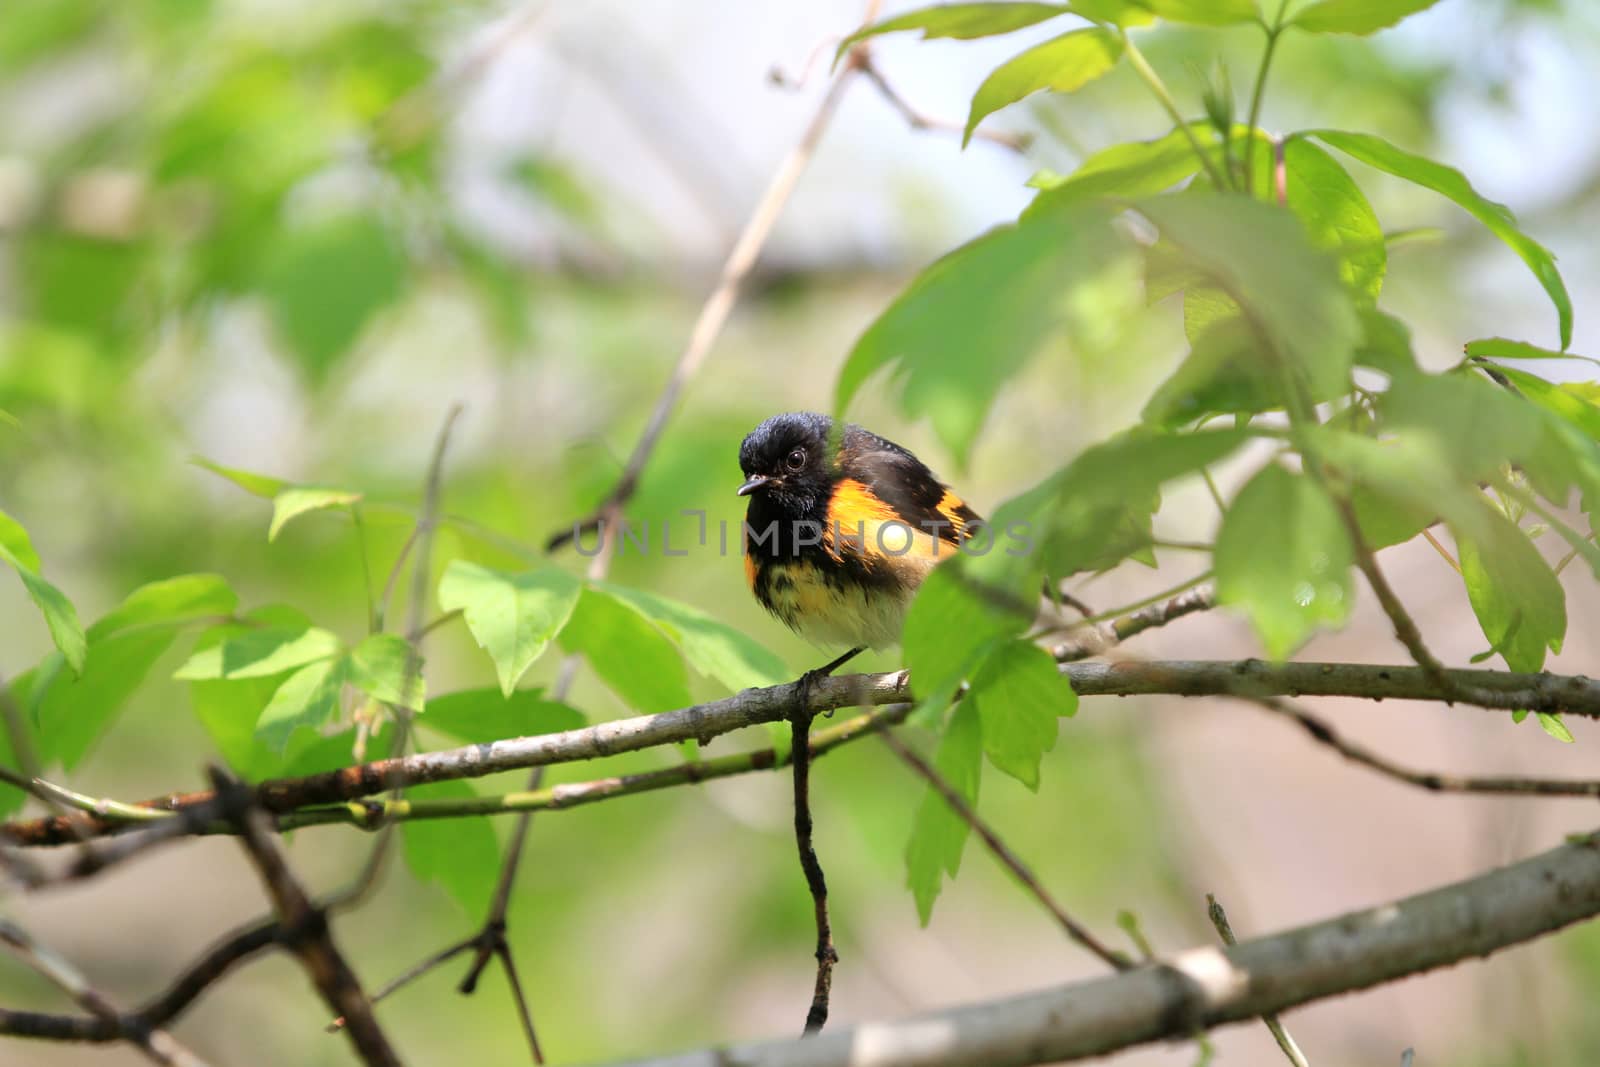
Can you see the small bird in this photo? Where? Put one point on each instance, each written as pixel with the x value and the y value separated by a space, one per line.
pixel 842 528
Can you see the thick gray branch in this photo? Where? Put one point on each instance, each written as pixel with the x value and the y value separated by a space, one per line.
pixel 1208 987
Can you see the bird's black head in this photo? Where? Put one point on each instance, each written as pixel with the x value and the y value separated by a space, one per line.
pixel 787 461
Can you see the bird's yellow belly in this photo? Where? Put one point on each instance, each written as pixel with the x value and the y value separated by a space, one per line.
pixel 831 613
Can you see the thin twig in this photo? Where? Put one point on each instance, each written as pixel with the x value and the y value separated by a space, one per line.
pixel 1499 785
pixel 157 1045
pixel 827 956
pixel 1219 919
pixel 411 974
pixel 919 120
pixel 1097 639
pixel 1002 852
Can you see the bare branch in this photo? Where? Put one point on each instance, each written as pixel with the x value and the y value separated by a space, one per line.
pixel 1008 859
pixel 827 956
pixel 919 120
pixel 306 930
pixel 1208 987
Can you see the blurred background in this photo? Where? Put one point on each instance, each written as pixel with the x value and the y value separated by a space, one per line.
pixel 287 235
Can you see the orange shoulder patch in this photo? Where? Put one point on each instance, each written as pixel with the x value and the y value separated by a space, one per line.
pixel 954 509
pixel 853 503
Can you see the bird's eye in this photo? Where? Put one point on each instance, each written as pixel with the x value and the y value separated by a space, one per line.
pixel 796 459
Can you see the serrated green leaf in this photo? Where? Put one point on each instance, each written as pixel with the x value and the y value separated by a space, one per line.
pixel 1283 557
pixel 513 617
pixel 960 21
pixel 1063 65
pixel 1552 725
pixel 635 659
pixel 479 716
pixel 1019 694
pixel 307 698
pixel 381 666
pixel 1004 294
pixel 938 834
pixel 461 855
pixel 299 500
pixel 228 708
pixel 256 653
pixel 1518 600
pixel 262 485
pixel 713 648
pixel 1336 214
pixel 952 623
pixel 1452 184
pixel 1356 16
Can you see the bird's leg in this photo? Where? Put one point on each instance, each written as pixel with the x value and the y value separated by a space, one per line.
pixel 815 675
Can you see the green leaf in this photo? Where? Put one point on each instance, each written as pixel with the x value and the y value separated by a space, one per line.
pixel 961 21
pixel 263 485
pixel 1063 65
pixel 16 547
pixel 1336 214
pixel 229 707
pixel 1019 694
pixel 1225 373
pixel 1517 598
pixel 381 666
pixel 1203 12
pixel 479 716
pixel 1132 169
pixel 629 652
pixel 1356 16
pixel 1259 255
pixel 952 622
pixel 461 855
pixel 1005 295
pixel 1450 183
pixel 74 713
pixel 1385 344
pixel 309 697
pixel 256 653
pixel 323 283
pixel 1552 725
pixel 294 502
pixel 1284 557
pixel 513 617
pixel 1478 426
pixel 713 648
pixel 1501 348
pixel 169 602
pixel 938 834
pixel 60 617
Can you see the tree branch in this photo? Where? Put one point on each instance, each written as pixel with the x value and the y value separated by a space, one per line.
pixel 1497 690
pixel 1219 919
pixel 800 747
pixel 1208 987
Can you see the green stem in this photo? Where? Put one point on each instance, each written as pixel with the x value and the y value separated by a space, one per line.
pixel 1273 33
pixel 366 568
pixel 1159 88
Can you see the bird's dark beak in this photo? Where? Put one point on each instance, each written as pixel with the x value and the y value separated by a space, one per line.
pixel 752 483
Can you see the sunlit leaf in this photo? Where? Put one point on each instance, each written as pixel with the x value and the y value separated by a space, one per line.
pixel 296 501
pixel 263 485
pixel 1203 12
pixel 938 834
pixel 309 697
pixel 254 653
pixel 1552 725
pixel 1131 169
pixel 961 21
pixel 1283 557
pixel 60 617
pixel 631 654
pixel 1449 182
pixel 1063 65
pixel 513 617
pixel 1336 214
pixel 713 648
pixel 1501 348
pixel 1356 16
pixel 382 666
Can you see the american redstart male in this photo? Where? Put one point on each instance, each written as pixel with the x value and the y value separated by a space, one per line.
pixel 842 527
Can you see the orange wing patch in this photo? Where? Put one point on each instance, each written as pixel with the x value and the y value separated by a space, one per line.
pixel 863 524
pixel 750 569
pixel 954 509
